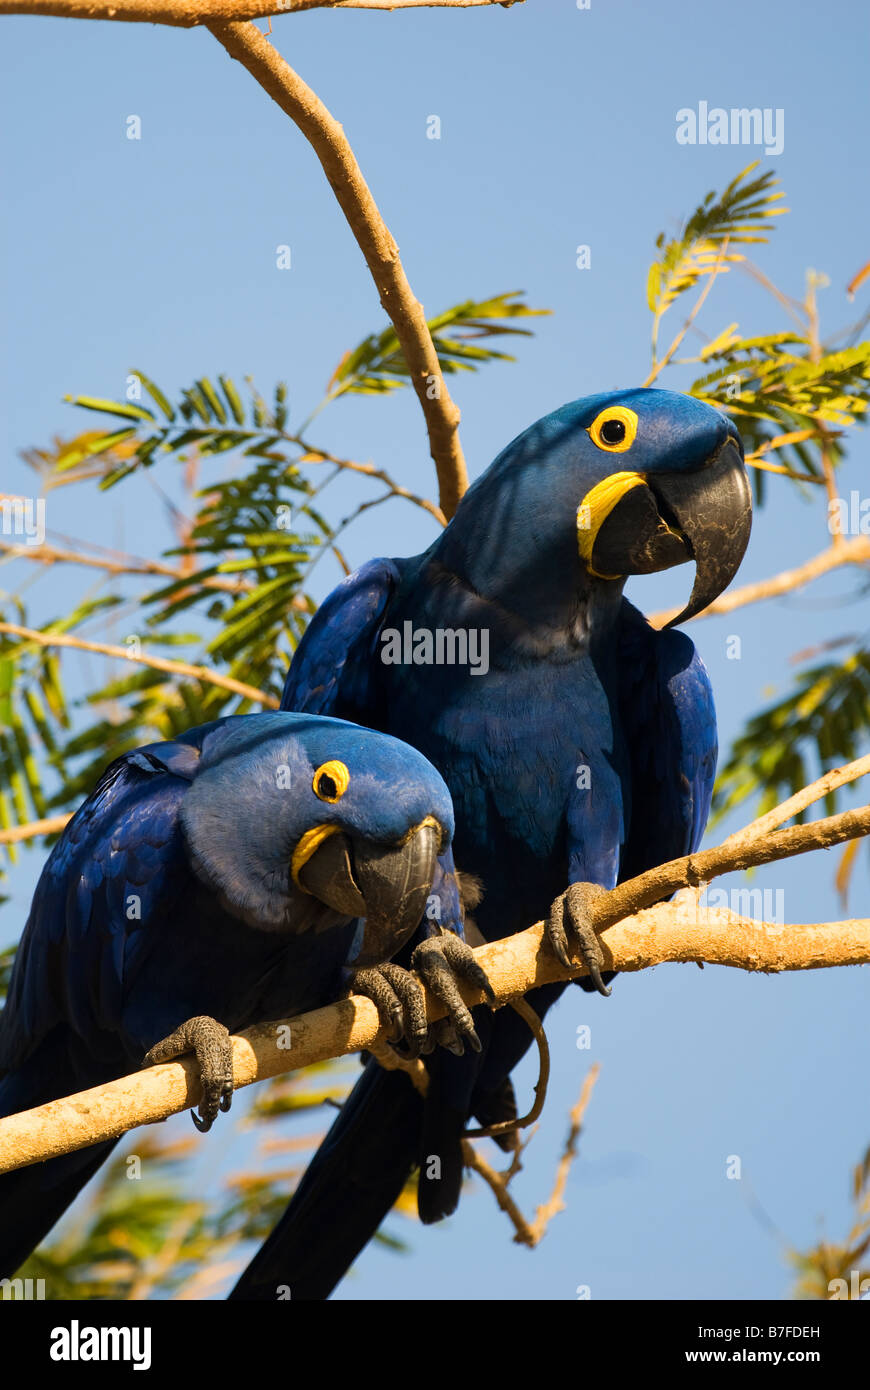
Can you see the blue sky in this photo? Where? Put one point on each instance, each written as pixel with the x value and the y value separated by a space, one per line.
pixel 558 129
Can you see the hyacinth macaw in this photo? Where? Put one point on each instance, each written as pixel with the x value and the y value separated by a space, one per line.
pixel 248 870
pixel 579 745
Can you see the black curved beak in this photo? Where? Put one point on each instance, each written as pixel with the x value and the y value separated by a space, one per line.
pixel 388 885
pixel 705 516
pixel 713 511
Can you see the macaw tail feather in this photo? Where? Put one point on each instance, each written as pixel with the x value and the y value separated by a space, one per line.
pixel 32 1199
pixel 440 1162
pixel 349 1187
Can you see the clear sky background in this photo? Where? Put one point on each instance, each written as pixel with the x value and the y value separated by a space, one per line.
pixel 558 128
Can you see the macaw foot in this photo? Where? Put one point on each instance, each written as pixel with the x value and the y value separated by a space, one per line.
pixel 570 928
pixel 440 961
pixel 398 998
pixel 210 1041
pixel 396 994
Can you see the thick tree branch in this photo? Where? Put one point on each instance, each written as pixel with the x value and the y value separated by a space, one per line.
pixel 246 44
pixel 185 14
pixel 695 869
pixel 849 552
pixel 158 663
pixel 650 936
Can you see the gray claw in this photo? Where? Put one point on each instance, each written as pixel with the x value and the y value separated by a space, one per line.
pixel 575 906
pixel 399 1001
pixel 210 1042
pixel 440 961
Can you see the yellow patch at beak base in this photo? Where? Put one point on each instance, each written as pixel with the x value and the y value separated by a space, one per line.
pixel 311 841
pixel 596 508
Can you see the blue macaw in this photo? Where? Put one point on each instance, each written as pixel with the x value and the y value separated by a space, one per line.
pixel 250 869
pixel 578 743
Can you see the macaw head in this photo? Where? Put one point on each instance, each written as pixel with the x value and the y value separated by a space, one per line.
pixel 298 820
pixel 627 482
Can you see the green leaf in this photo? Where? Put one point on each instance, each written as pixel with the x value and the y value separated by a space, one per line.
pixel 822 722
pixel 94 447
pixel 741 216
pixel 194 402
pixel 378 364
pixel 122 408
pixel 7 673
pixel 156 395
pixel 233 399
pixel 280 415
pixel 213 399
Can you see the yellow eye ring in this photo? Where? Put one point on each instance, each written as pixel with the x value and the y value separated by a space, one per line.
pixel 330 781
pixel 621 440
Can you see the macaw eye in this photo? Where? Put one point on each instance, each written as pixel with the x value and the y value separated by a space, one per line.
pixel 614 429
pixel 331 780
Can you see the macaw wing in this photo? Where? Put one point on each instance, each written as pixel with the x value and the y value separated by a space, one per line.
pixel 334 669
pixel 119 864
pixel 667 714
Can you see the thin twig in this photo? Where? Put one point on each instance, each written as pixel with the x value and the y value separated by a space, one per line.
pixel 527 1013
pixel 211 1275
pixel 837 777
pixel 52 554
pixel 756 461
pixel 531 1233
pixel 498 1184
pixel 712 275
pixel 48 826
pixel 246 44
pixel 158 663
pixel 159 1265
pixel 826 435
pixel 858 279
pixel 314 455
pixel 555 1202
pixel 781 441
pixel 793 307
